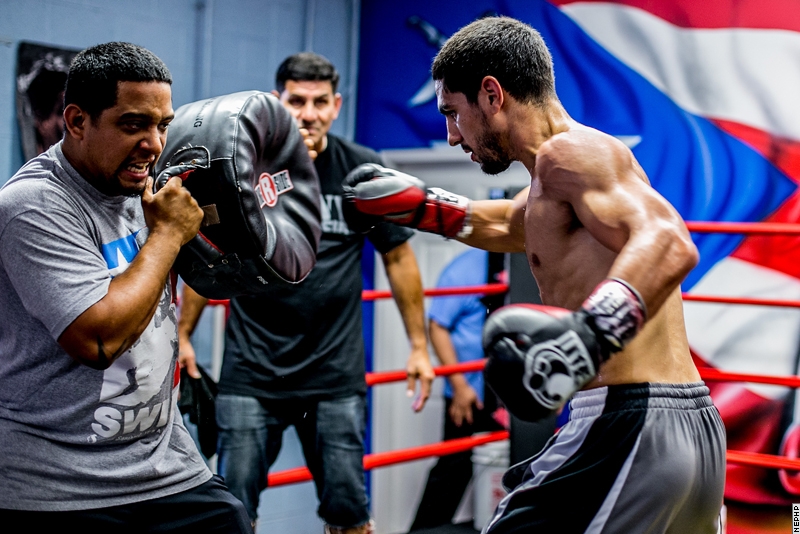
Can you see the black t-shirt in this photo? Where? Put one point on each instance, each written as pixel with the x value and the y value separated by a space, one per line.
pixel 306 340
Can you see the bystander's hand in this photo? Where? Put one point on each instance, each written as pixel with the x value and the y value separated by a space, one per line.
pixel 186 356
pixel 464 398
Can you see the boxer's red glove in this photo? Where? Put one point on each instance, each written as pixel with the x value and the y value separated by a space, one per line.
pixel 540 355
pixel 378 193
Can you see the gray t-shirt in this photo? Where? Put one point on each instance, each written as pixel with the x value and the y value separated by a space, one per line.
pixel 72 437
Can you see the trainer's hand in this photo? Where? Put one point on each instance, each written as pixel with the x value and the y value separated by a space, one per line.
pixel 419 369
pixel 379 193
pixel 171 210
pixel 464 398
pixel 309 143
pixel 539 356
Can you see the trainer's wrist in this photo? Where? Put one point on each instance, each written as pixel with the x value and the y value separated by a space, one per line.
pixel 164 238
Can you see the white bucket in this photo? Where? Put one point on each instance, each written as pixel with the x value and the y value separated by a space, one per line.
pixel 489 463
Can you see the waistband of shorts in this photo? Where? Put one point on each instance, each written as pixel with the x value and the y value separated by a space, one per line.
pixel 606 399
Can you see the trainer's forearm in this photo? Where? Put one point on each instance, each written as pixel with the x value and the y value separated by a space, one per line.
pixel 113 324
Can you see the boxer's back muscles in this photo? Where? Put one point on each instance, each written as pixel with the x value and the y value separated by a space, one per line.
pixel 591 214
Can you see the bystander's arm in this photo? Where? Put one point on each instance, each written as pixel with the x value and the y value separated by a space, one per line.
pixel 464 396
pixel 406 283
pixel 192 305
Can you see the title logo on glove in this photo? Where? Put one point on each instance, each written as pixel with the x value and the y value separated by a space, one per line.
pixel 270 186
pixel 555 369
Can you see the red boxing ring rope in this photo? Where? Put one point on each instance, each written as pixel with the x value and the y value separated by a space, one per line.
pixel 384 377
pixel 371 461
pixel 748 301
pixel 369 295
pixel 487 289
pixel 749 228
pixel 381 459
pixel 706 373
pixel 705 227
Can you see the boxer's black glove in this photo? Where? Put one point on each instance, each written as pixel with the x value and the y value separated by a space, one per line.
pixel 374 193
pixel 540 355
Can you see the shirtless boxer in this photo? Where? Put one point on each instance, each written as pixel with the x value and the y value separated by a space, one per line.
pixel 644 450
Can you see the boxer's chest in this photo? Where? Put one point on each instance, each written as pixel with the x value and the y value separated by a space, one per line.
pixel 566 260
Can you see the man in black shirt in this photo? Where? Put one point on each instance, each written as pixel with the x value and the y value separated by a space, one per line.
pixel 295 356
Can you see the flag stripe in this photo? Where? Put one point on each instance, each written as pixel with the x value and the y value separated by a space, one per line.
pixel 717 73
pixel 771 14
pixel 775 252
pixel 706 173
pixel 747 339
pixel 781 152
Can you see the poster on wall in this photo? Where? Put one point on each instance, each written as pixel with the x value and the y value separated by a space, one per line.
pixel 715 124
pixel 41 76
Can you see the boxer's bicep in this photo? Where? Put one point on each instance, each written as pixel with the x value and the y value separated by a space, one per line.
pixel 609 198
pixel 610 213
pixel 627 216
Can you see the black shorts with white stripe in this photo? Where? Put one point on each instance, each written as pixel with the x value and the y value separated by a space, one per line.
pixel 632 458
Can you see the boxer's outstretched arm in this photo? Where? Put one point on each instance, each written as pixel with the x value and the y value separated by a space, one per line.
pixel 191 307
pixel 373 193
pixel 108 328
pixel 609 192
pixel 406 283
pixel 498 225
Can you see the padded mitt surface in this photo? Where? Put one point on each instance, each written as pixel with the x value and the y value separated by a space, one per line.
pixel 243 159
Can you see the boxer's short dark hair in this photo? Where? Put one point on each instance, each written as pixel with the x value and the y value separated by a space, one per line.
pixel 510 50
pixel 306 67
pixel 95 72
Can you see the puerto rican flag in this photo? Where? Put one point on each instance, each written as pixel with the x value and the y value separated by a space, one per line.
pixel 727 74
pixel 707 95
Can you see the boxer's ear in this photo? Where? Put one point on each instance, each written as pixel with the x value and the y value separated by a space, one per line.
pixel 491 95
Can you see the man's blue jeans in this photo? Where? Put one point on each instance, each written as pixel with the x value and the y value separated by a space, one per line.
pixel 331 433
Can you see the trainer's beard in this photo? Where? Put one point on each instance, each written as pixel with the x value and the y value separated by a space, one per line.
pixel 135 191
pixel 117 189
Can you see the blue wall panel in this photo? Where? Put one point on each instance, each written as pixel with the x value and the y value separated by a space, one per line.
pixel 212 47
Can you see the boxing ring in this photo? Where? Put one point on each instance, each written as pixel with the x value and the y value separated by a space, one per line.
pixel 789 464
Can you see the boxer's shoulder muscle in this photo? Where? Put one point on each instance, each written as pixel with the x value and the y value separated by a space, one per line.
pixel 584 158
